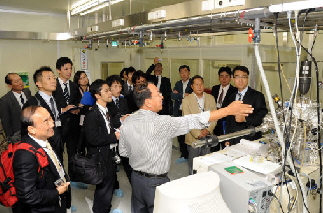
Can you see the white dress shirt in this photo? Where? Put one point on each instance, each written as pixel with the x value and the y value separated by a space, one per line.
pixel 225 90
pixel 17 96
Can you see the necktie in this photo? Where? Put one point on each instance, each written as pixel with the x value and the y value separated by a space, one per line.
pixel 221 97
pixel 53 157
pixel 117 102
pixel 108 119
pixel 52 106
pixel 22 100
pixel 240 96
pixel 130 88
pixel 159 81
pixel 66 94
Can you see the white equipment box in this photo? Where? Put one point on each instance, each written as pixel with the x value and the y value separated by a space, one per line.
pixel 243 192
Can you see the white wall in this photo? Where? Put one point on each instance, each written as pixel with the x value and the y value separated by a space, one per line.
pixel 27 56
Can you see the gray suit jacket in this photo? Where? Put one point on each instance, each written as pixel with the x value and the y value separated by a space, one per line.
pixel 10 112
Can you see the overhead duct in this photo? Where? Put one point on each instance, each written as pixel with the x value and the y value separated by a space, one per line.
pixel 24 35
pixel 189 16
pixel 193 22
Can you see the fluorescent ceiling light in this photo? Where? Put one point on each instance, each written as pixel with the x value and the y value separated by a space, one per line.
pixel 297 5
pixel 59 36
pixel 85 6
pixel 91 6
pixel 93 9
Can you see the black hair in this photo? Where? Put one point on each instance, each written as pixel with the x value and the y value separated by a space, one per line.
pixel 130 70
pixel 77 77
pixel 225 69
pixel 137 75
pixel 196 77
pixel 241 68
pixel 62 61
pixel 124 70
pixel 141 93
pixel 38 73
pixel 7 79
pixel 96 87
pixel 113 78
pixel 183 67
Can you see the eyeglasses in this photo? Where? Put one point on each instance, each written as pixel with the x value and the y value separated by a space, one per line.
pixel 159 95
pixel 241 76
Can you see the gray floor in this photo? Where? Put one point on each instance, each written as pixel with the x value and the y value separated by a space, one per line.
pixel 82 199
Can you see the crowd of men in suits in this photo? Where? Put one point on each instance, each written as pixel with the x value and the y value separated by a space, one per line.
pixel 59 100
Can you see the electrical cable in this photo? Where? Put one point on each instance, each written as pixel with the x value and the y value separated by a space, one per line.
pixel 280 205
pixel 292 100
pixel 271 105
pixel 298 51
pixel 296 85
pixel 303 192
pixel 296 198
pixel 267 90
pixel 318 109
pixel 278 61
pixel 308 179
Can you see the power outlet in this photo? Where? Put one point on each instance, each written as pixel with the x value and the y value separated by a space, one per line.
pixel 221 4
pixel 228 3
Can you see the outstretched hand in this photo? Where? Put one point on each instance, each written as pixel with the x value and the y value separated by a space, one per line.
pixel 238 108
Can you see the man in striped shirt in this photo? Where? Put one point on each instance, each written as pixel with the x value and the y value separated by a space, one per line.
pixel 146 138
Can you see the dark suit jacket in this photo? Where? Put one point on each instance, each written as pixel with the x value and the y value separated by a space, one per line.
pixel 37 193
pixel 218 130
pixel 125 89
pixel 215 92
pixel 70 121
pixel 10 112
pixel 257 100
pixel 98 139
pixel 116 112
pixel 165 89
pixel 122 110
pixel 132 106
pixel 178 97
pixel 59 95
pixel 56 140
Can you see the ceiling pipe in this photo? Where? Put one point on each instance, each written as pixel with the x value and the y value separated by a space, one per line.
pixel 193 21
pixel 199 22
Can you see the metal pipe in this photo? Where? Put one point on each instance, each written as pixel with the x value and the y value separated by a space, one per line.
pixel 198 21
pixel 206 20
pixel 213 140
